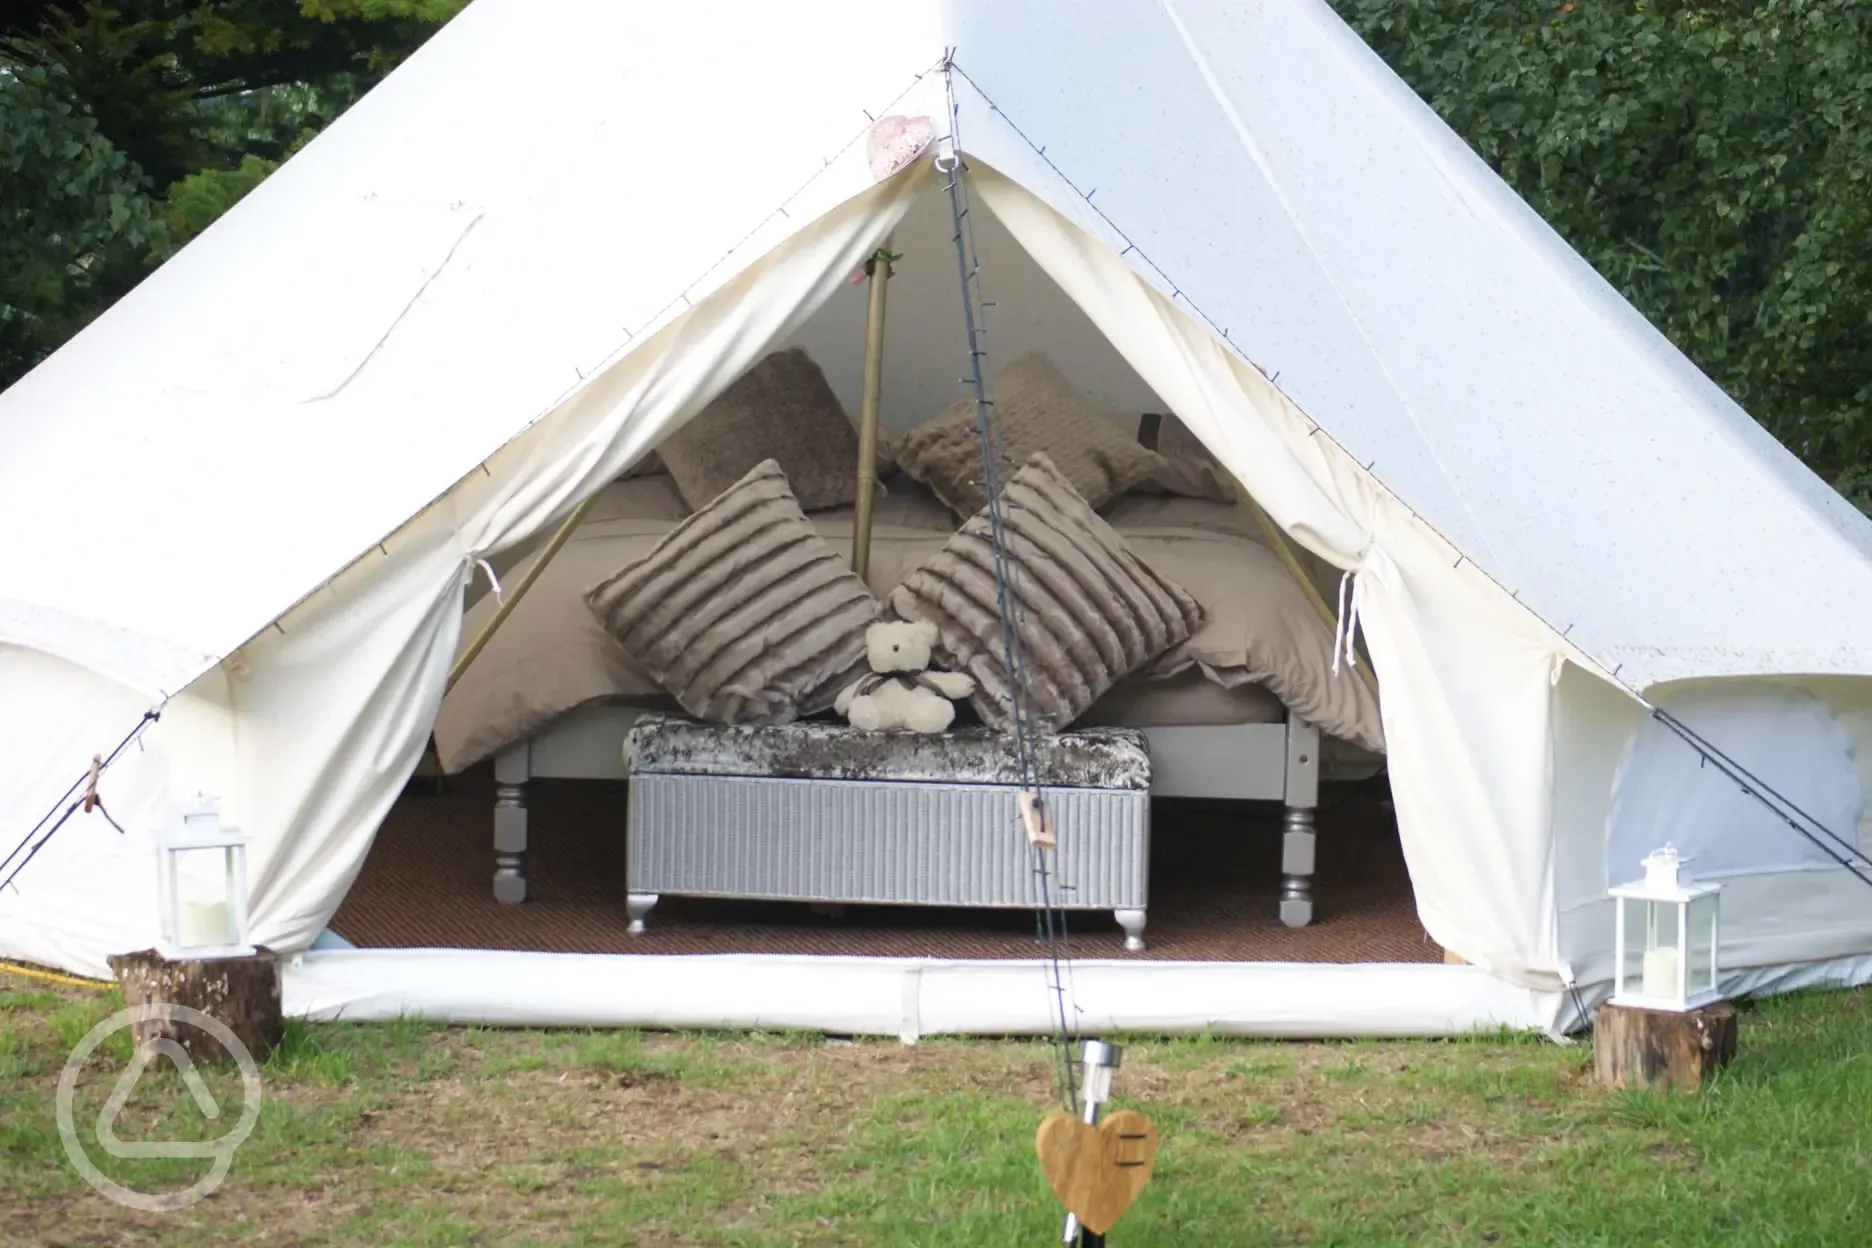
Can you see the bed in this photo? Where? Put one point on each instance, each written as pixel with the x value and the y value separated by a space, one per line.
pixel 1236 712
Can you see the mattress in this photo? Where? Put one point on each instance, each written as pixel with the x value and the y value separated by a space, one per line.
pixel 1262 650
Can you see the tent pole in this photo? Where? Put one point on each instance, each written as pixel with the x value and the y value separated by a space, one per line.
pixel 1278 540
pixel 512 600
pixel 878 271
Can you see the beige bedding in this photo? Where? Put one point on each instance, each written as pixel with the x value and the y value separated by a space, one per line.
pixel 1261 637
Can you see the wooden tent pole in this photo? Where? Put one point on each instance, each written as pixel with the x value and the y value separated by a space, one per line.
pixel 878 271
pixel 513 597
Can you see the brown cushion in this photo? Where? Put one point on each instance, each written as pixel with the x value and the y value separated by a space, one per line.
pixel 1037 412
pixel 743 612
pixel 782 409
pixel 1187 468
pixel 1090 612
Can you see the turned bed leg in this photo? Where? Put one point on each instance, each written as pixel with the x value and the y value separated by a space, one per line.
pixel 511 771
pixel 1297 853
pixel 1297 835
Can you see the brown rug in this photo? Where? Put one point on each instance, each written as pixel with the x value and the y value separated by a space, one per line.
pixel 1215 872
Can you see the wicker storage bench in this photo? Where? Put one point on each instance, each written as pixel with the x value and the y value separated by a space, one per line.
pixel 826 813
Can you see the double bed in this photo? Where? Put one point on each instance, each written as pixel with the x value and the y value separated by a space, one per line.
pixel 1249 708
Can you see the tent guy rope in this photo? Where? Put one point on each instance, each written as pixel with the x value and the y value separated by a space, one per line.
pixel 88 801
pixel 1009 601
pixel 1072 1152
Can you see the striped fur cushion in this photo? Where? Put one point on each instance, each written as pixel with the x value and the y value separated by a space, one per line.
pixel 743 613
pixel 1090 612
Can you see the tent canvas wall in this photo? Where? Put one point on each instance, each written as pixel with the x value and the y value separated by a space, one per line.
pixel 250 494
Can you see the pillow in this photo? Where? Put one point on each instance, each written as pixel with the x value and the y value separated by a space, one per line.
pixel 743 612
pixel 782 409
pixel 1187 468
pixel 1091 612
pixel 1038 412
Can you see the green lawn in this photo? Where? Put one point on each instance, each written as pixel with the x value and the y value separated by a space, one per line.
pixel 405 1134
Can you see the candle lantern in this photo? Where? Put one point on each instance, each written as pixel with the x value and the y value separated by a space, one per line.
pixel 201 886
pixel 1666 934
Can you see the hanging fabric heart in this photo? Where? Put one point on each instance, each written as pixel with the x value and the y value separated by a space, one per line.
pixel 1097 1171
pixel 894 142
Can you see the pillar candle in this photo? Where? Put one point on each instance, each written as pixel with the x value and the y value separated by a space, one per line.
pixel 206 923
pixel 1660 973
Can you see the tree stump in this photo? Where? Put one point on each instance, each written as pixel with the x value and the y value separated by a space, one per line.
pixel 1635 1047
pixel 242 994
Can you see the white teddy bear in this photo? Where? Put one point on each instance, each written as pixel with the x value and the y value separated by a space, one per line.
pixel 900 695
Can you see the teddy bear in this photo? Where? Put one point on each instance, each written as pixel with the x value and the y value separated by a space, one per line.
pixel 899 694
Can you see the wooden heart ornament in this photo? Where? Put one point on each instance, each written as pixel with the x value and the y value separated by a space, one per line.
pixel 1097 1171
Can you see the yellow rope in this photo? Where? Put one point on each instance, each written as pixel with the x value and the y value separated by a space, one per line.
pixel 51 977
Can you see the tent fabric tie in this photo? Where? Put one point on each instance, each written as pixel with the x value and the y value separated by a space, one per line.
pixel 1345 630
pixel 500 599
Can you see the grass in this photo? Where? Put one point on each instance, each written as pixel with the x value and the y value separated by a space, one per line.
pixel 407 1134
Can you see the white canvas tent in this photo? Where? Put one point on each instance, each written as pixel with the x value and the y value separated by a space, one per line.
pixel 250 495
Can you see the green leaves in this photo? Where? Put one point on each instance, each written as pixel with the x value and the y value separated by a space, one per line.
pixel 128 126
pixel 76 217
pixel 1712 158
pixel 196 202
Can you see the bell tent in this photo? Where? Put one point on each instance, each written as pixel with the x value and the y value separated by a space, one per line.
pixel 1597 597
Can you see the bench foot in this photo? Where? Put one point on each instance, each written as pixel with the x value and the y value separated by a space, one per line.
pixel 638 906
pixel 1133 923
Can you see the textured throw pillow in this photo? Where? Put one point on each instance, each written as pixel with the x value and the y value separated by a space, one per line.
pixel 782 409
pixel 1187 467
pixel 1037 412
pixel 1089 613
pixel 743 613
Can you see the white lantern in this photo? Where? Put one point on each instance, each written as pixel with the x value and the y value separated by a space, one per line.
pixel 1676 966
pixel 201 886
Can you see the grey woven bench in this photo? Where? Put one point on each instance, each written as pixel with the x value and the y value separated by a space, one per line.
pixel 825 813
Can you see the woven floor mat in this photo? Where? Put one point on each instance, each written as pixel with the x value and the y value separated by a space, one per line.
pixel 1215 871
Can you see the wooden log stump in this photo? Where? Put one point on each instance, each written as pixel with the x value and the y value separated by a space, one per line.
pixel 1635 1047
pixel 243 994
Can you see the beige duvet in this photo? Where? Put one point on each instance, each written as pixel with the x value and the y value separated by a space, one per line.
pixel 1262 649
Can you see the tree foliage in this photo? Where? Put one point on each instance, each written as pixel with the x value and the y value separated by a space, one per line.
pixel 128 126
pixel 1711 158
pixel 76 218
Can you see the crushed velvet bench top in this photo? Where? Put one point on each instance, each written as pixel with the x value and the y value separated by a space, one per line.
pixel 1092 758
pixel 823 812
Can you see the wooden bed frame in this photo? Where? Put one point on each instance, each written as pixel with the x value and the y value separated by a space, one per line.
pixel 1270 762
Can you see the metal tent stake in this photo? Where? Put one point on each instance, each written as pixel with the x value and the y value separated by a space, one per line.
pixel 1100 1058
